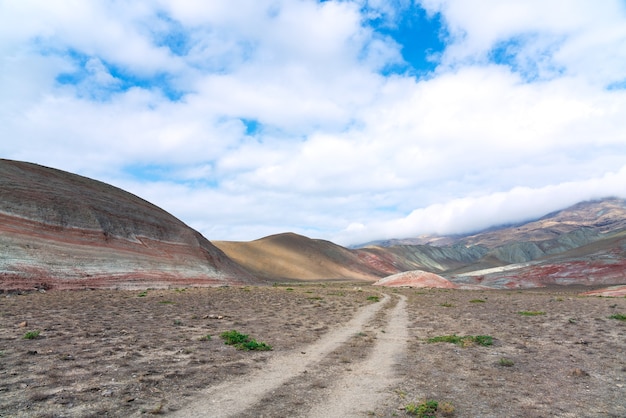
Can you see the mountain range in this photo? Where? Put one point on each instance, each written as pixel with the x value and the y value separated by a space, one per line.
pixel 61 230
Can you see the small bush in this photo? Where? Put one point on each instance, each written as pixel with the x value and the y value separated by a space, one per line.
pixel 143 294
pixel 446 305
pixel 243 341
pixel 234 337
pixel 463 341
pixel 506 362
pixel 374 298
pixel 31 335
pixel 531 313
pixel 429 409
pixel 477 301
pixel 619 317
pixel 484 340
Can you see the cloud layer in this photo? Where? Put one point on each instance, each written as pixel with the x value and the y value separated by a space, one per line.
pixel 250 118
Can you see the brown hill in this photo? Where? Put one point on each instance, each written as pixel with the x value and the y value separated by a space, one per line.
pixel 61 230
pixel 294 257
pixel 583 233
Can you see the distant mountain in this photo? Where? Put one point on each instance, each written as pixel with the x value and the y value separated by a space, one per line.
pixel 589 230
pixel 602 216
pixel 597 218
pixel 552 234
pixel 601 262
pixel 583 244
pixel 290 256
pixel 61 230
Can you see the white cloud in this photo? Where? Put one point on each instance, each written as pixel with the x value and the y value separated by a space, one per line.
pixel 471 214
pixel 158 95
pixel 578 37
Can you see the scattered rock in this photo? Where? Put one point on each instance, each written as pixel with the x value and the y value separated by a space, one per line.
pixel 23 324
pixel 579 373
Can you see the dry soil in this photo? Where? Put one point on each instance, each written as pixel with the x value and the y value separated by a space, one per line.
pixel 338 350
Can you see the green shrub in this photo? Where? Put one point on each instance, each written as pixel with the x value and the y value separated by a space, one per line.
pixel 506 362
pixel 429 409
pixel 619 317
pixel 477 301
pixel 531 313
pixel 143 294
pixel 374 298
pixel 31 335
pixel 243 341
pixel 484 340
pixel 463 341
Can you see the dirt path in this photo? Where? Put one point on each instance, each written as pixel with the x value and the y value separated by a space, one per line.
pixel 235 396
pixel 365 388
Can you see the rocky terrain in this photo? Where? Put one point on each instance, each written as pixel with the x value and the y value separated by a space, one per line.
pixel 63 231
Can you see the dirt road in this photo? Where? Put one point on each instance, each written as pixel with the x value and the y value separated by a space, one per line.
pixel 234 397
pixel 357 396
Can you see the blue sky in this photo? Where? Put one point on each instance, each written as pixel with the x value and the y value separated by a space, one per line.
pixel 343 120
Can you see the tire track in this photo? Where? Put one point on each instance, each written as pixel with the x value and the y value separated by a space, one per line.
pixel 365 388
pixel 234 396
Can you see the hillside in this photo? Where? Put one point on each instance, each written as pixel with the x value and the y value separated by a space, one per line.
pixel 602 262
pixel 294 257
pixel 584 233
pixel 574 227
pixel 61 230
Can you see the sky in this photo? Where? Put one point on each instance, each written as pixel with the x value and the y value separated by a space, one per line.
pixel 349 121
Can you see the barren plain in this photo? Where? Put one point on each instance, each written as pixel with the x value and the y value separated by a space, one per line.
pixel 339 349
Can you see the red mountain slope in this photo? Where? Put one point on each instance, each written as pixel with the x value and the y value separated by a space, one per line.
pixel 61 230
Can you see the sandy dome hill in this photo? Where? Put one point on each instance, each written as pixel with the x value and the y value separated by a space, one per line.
pixel 61 230
pixel 416 278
